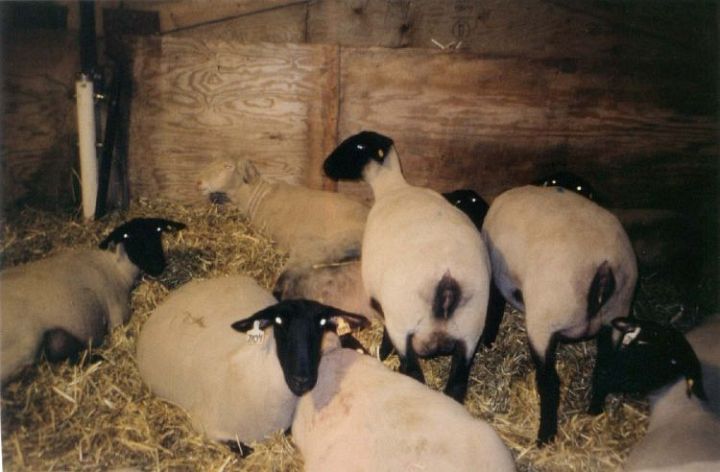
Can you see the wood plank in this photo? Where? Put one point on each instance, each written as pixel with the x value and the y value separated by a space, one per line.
pixel 492 123
pixel 526 28
pixel 280 25
pixel 38 117
pixel 195 100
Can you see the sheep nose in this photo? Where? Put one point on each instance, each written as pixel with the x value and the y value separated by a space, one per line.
pixel 300 384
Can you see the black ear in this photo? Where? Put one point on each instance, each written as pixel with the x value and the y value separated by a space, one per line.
pixel 624 324
pixel 264 316
pixel 355 321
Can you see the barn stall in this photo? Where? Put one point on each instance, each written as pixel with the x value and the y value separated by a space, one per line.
pixel 484 95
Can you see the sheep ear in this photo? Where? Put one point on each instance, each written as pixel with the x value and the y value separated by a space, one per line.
pixel 336 317
pixel 250 173
pixel 263 316
pixel 624 324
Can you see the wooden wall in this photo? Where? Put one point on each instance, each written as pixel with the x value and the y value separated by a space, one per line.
pixel 624 93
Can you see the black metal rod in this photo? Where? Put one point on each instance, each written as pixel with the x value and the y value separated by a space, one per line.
pixel 112 125
pixel 88 46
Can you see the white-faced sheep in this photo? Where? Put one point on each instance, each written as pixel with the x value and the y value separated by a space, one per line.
pixel 568 264
pixel 645 357
pixel 237 388
pixel 423 262
pixel 361 416
pixel 59 305
pixel 311 225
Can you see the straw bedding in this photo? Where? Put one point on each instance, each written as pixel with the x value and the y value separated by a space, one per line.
pixel 98 415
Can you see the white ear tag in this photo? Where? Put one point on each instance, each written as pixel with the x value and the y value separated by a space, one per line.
pixel 630 336
pixel 343 327
pixel 256 335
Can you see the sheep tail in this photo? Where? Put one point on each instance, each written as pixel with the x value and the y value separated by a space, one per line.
pixel 447 297
pixel 601 288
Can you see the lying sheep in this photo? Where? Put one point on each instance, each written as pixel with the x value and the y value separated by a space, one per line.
pixel 361 416
pixel 59 305
pixel 311 225
pixel 644 357
pixel 568 264
pixel 424 263
pixel 237 388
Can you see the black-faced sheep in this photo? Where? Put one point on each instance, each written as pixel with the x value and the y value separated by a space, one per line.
pixel 235 387
pixel 313 226
pixel 59 305
pixel 568 264
pixel 569 181
pixel 470 203
pixel 423 262
pixel 644 357
pixel 361 416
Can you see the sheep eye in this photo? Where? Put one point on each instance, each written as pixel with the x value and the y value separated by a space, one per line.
pixel 457 202
pixel 553 182
pixel 323 321
pixel 579 188
pixel 125 235
pixel 278 320
pixel 381 153
pixel 473 200
pixel 360 146
pixel 673 361
pixel 159 229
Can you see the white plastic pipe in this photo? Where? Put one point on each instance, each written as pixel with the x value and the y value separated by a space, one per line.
pixel 88 151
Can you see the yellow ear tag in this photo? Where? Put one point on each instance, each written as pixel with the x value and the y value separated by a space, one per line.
pixel 256 335
pixel 343 327
pixel 690 383
pixel 381 153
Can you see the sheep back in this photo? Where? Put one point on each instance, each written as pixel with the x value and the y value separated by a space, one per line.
pixel 84 292
pixel 413 238
pixel 189 354
pixel 548 243
pixel 362 416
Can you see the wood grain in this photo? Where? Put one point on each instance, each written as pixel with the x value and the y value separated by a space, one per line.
pixel 195 100
pixel 489 124
pixel 38 117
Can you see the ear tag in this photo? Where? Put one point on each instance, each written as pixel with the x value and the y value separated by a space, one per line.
pixel 630 336
pixel 343 327
pixel 690 383
pixel 256 335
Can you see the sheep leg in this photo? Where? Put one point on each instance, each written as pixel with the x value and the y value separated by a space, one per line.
pixel 600 376
pixel 495 311
pixel 548 385
pixel 457 383
pixel 386 346
pixel 409 364
pixel 58 345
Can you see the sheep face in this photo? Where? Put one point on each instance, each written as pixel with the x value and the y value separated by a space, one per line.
pixel 298 328
pixel 470 203
pixel 644 357
pixel 349 159
pixel 142 241
pixel 569 181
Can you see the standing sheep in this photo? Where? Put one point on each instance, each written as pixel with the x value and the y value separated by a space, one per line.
pixel 644 357
pixel 568 264
pixel 237 388
pixel 59 305
pixel 423 262
pixel 361 416
pixel 311 225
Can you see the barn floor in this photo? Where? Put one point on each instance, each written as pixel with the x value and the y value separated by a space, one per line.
pixel 98 415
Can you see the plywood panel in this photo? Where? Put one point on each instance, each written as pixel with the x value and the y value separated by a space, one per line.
pixel 38 116
pixel 282 25
pixel 195 100
pixel 492 123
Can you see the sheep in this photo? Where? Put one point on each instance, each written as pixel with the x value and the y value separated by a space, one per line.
pixel 234 388
pixel 645 357
pixel 362 416
pixel 59 305
pixel 424 264
pixel 311 225
pixel 569 181
pixel 568 264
